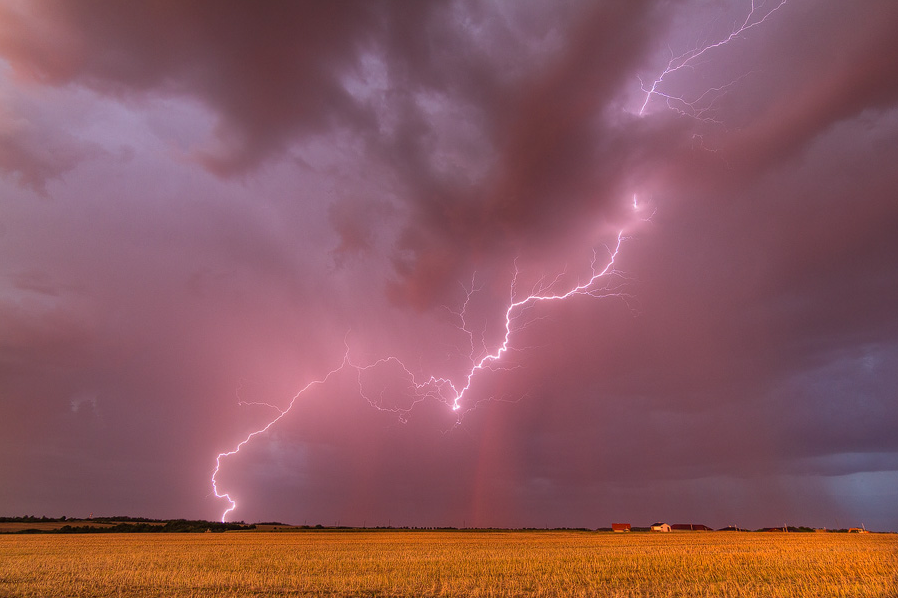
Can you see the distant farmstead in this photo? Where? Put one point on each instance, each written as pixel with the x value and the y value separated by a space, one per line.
pixel 620 527
pixel 660 527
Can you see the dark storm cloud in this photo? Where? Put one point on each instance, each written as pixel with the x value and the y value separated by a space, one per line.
pixel 270 75
pixel 556 167
pixel 835 74
pixel 275 75
pixel 388 152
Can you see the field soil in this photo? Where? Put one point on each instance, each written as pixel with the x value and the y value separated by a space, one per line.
pixel 451 563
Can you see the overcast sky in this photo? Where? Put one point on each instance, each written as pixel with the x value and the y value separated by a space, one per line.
pixel 207 205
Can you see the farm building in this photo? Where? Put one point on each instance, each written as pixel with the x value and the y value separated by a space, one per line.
pixel 660 527
pixel 620 527
pixel 695 527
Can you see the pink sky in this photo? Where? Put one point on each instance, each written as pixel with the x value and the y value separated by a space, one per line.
pixel 206 203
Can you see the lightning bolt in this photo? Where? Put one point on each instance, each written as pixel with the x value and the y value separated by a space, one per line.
pixel 281 413
pixel 596 285
pixel 687 60
pixel 513 312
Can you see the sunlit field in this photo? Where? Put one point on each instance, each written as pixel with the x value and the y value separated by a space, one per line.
pixel 451 563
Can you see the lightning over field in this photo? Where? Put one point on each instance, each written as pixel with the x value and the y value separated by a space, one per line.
pixel 452 392
pixel 511 264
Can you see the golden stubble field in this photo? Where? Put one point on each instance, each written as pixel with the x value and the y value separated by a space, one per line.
pixel 450 563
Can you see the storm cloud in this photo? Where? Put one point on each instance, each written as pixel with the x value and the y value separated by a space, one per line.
pixel 206 206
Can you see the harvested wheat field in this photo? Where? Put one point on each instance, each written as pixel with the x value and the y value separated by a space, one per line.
pixel 450 563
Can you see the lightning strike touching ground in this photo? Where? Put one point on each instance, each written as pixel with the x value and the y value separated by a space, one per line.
pixel 445 389
pixel 282 412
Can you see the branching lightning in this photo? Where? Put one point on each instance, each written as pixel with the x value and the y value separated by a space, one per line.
pixel 597 285
pixel 600 282
pixel 282 412
pixel 701 106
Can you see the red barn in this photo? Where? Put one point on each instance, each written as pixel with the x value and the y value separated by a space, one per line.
pixel 620 527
